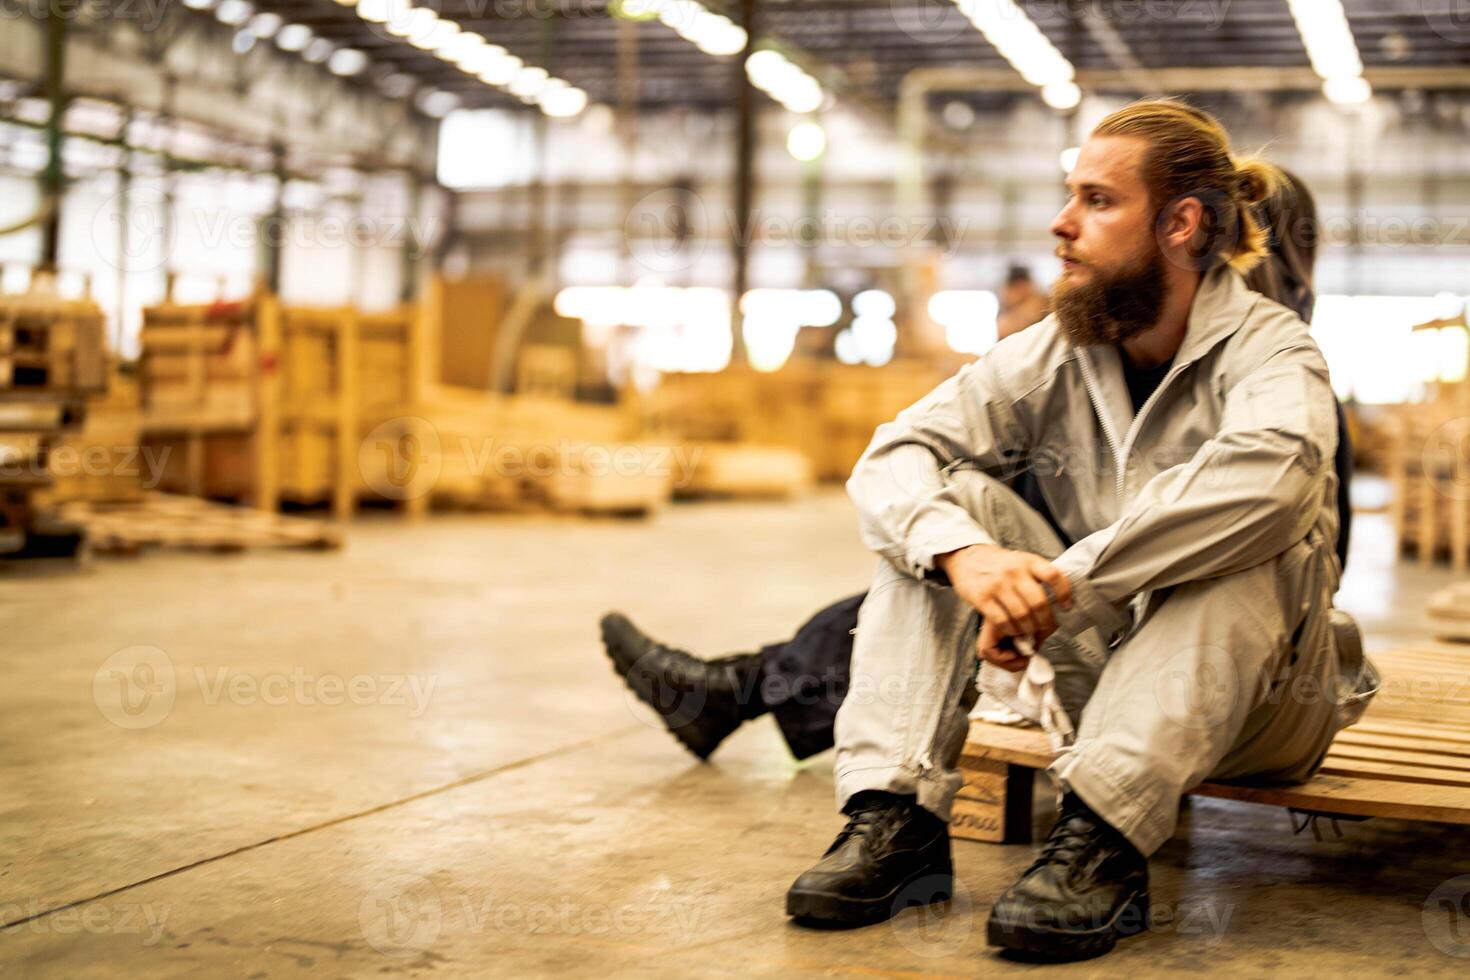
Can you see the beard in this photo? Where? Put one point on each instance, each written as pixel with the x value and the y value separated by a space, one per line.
pixel 1114 305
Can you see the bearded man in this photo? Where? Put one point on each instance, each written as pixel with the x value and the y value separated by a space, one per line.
pixel 1182 431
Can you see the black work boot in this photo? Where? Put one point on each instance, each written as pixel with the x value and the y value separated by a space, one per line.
pixel 1088 887
pixel 701 701
pixel 892 854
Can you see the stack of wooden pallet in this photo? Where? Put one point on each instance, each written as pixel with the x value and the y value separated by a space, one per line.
pixel 827 412
pixel 52 358
pixel 269 403
pixel 460 447
pixel 162 521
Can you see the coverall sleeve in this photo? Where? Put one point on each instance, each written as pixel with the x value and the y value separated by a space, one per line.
pixel 907 511
pixel 1249 493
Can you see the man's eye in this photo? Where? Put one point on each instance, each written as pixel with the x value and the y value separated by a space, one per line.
pixel 1097 200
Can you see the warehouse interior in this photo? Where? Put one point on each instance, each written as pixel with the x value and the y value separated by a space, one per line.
pixel 357 357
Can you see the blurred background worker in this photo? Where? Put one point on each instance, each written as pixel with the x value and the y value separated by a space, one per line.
pixel 1022 302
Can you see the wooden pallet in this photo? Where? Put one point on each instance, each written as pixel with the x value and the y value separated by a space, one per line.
pixel 185 523
pixel 824 410
pixel 740 469
pixel 1449 613
pixel 1408 758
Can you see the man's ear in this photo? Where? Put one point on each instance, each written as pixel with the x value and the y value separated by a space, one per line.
pixel 1180 223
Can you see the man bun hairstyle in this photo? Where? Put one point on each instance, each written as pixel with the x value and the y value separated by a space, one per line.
pixel 1189 156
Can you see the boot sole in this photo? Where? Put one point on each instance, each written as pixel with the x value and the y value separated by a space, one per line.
pixel 832 909
pixel 1068 944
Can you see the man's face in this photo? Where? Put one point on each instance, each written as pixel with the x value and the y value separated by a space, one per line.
pixel 1113 277
pixel 1107 224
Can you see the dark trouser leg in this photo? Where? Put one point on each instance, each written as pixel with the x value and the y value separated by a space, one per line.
pixel 803 681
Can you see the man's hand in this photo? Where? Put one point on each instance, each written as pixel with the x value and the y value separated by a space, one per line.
pixel 1008 588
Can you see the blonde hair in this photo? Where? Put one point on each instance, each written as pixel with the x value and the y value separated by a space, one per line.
pixel 1189 156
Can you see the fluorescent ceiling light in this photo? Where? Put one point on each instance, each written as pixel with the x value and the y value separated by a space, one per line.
pixel 440 34
pixel 529 82
pixel 264 26
pixel 1021 43
pixel 293 37
pixel 464 45
pixel 503 71
pixel 1325 33
pixel 233 12
pixel 375 11
pixel 346 61
pixel 319 50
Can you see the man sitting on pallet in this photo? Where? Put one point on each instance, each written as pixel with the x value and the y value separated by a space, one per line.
pixel 1182 429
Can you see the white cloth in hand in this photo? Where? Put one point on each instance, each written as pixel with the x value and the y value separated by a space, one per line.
pixel 1025 697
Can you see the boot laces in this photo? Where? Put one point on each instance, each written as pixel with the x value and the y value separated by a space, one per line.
pixel 1069 840
pixel 869 822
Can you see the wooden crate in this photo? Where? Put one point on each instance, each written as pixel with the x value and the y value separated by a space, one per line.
pixel 269 403
pixel 1407 758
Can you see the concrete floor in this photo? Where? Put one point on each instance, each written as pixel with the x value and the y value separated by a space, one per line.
pixel 411 757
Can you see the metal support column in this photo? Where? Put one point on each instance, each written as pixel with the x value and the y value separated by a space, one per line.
pixel 745 139
pixel 51 177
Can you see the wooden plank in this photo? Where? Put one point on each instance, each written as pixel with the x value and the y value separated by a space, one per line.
pixel 266 439
pixel 1435 746
pixel 1347 752
pixel 1335 765
pixel 344 489
pixel 1355 796
pixel 422 356
pixel 1442 732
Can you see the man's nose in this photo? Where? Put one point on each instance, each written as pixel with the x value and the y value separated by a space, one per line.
pixel 1064 226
